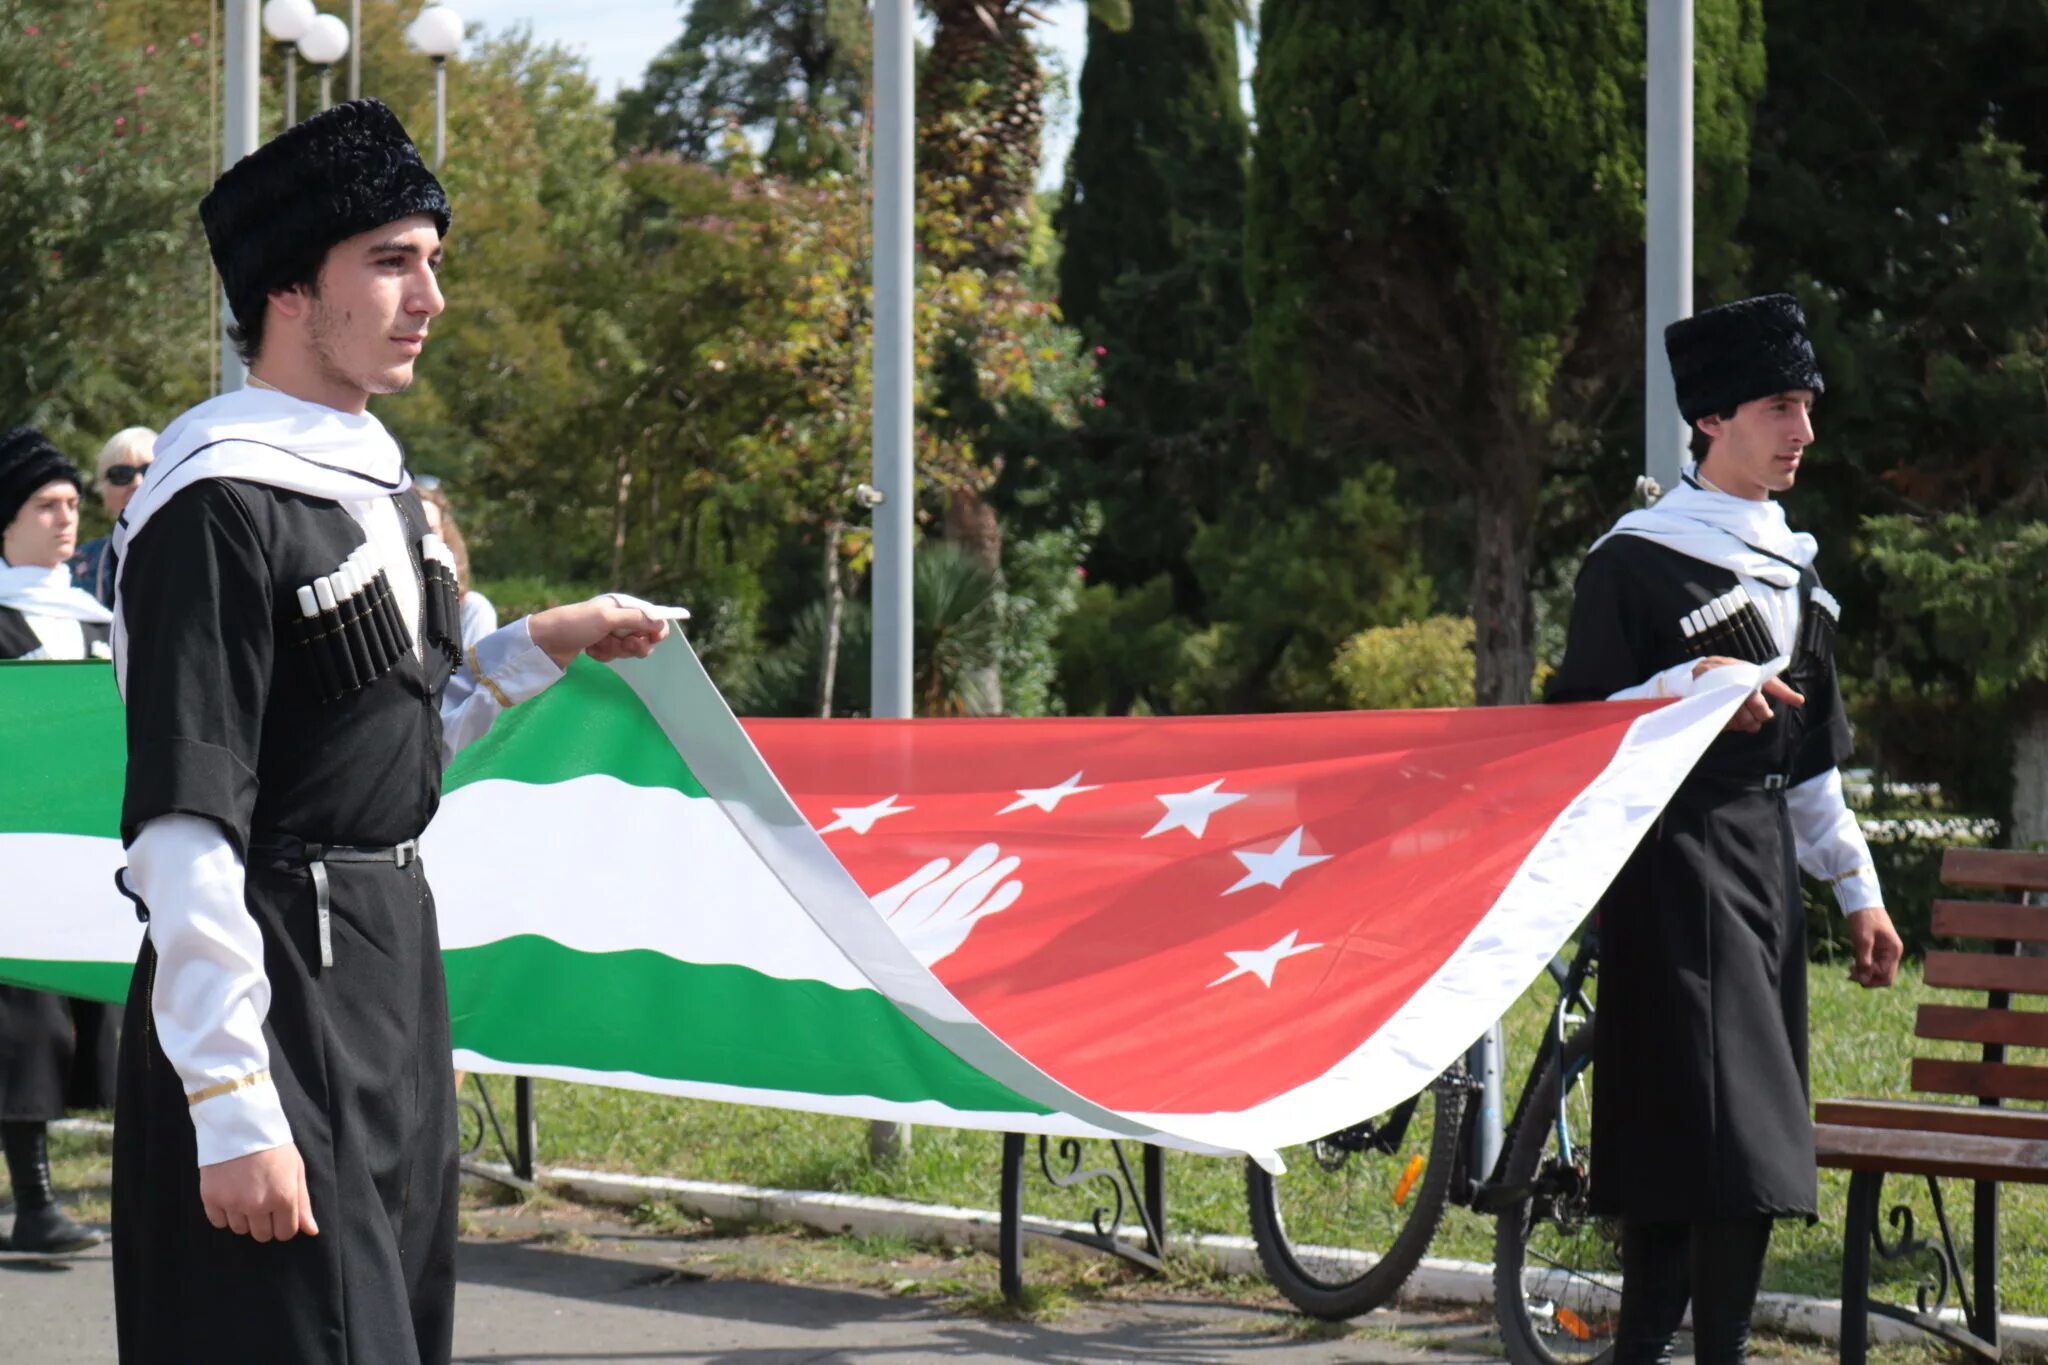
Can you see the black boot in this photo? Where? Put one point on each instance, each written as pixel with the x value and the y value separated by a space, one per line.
pixel 39 1225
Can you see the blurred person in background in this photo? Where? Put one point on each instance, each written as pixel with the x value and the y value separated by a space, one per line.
pixel 54 1053
pixel 123 461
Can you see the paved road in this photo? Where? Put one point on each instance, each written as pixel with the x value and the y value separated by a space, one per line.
pixel 608 1292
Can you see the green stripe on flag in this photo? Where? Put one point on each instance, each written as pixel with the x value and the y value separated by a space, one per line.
pixel 588 723
pixel 530 1000
pixel 63 749
pixel 107 981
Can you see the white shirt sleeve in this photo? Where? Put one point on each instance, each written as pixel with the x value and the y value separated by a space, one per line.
pixel 1675 681
pixel 1831 843
pixel 479 617
pixel 209 996
pixel 502 669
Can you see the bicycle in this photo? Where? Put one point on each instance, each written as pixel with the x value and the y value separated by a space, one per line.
pixel 1345 1228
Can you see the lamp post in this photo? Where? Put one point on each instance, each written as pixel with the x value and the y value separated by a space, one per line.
pixel 355 52
pixel 1667 293
pixel 286 22
pixel 326 42
pixel 893 526
pixel 241 69
pixel 438 34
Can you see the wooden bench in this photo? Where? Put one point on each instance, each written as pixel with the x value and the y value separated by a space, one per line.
pixel 1984 1143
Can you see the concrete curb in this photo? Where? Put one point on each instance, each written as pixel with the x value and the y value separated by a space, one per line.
pixel 1436 1280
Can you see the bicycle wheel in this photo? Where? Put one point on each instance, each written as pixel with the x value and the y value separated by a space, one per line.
pixel 1556 1268
pixel 1347 1223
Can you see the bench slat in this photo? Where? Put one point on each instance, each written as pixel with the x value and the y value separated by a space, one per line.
pixel 1984 972
pixel 1955 1155
pixel 1956 1023
pixel 1921 1116
pixel 1985 1080
pixel 1994 868
pixel 1991 920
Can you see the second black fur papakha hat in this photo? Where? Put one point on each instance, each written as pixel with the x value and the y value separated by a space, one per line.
pixel 1740 352
pixel 272 216
pixel 28 462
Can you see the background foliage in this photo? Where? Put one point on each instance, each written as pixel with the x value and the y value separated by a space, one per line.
pixel 1310 403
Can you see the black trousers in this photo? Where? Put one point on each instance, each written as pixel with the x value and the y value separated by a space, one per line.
pixel 1718 1266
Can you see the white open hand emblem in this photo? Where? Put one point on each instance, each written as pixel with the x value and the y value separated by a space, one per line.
pixel 935 908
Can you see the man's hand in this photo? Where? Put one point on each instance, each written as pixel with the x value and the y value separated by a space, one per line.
pixel 1877 947
pixel 1755 712
pixel 601 628
pixel 262 1195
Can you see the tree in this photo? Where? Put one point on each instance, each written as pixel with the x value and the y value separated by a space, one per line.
pixel 1151 272
pixel 105 286
pixel 1443 246
pixel 1896 186
pixel 790 74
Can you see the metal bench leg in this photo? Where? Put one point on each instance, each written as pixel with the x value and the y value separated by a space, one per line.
pixel 1010 1236
pixel 1984 1250
pixel 1155 1200
pixel 1859 1231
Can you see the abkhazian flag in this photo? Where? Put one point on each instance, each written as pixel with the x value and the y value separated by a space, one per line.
pixel 1220 933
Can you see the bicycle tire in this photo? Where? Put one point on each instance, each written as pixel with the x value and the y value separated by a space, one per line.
pixel 1538 1328
pixel 1299 1272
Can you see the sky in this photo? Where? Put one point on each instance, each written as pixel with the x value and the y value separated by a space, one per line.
pixel 619 37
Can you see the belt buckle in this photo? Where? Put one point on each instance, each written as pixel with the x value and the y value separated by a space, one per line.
pixel 1774 782
pixel 407 852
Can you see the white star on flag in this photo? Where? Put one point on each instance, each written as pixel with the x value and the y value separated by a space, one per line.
pixel 1191 810
pixel 1275 867
pixel 1046 798
pixel 861 819
pixel 1262 962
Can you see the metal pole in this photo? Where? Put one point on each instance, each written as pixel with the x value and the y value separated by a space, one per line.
pixel 242 59
pixel 326 87
pixel 894 163
pixel 440 110
pixel 1667 291
pixel 355 49
pixel 291 82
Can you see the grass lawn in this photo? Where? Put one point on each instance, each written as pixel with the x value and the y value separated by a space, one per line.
pixel 1862 1043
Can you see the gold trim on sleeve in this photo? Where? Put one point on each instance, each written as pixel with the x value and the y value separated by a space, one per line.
pixel 1852 876
pixel 489 684
pixel 213 1092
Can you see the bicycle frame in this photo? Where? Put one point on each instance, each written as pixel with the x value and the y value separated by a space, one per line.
pixel 1483 1145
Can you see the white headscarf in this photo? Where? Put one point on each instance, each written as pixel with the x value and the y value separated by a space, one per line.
pixel 260 435
pixel 1746 535
pixel 34 590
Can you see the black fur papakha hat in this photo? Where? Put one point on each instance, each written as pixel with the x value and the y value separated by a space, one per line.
pixel 28 462
pixel 1739 352
pixel 272 216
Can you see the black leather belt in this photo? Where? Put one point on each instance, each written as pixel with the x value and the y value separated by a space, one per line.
pixel 292 849
pixel 1766 782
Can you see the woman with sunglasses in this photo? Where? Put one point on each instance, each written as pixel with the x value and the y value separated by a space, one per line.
pixel 122 462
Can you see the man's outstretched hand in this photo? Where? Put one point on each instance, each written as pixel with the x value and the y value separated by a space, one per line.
pixel 1755 713
pixel 613 626
pixel 261 1195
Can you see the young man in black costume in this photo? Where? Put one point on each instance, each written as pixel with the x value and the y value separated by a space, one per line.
pixel 54 1053
pixel 1701 1122
pixel 285 627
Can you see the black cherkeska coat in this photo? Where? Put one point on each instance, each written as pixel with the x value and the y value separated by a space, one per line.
pixel 229 716
pixel 55 1054
pixel 1700 1098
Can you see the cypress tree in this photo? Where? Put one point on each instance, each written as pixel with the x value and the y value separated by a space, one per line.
pixel 1444 247
pixel 1898 185
pixel 1151 272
